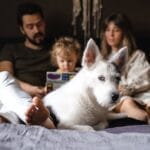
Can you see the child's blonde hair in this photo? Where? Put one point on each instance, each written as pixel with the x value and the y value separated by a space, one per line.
pixel 64 46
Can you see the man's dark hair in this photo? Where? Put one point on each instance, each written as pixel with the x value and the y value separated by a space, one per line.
pixel 28 8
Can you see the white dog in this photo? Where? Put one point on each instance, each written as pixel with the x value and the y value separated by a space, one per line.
pixel 83 102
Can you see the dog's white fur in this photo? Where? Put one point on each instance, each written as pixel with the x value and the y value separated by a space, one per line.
pixel 83 102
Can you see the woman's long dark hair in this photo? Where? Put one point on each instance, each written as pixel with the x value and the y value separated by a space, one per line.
pixel 122 22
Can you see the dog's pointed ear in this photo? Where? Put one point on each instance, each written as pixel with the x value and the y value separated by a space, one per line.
pixel 120 58
pixel 91 54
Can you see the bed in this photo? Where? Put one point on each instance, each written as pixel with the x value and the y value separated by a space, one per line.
pixel 23 137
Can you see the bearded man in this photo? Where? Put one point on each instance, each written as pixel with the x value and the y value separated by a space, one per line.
pixel 28 61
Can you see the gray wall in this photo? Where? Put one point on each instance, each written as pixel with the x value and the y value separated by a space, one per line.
pixel 57 12
pixel 59 16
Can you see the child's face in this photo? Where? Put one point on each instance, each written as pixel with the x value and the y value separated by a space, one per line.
pixel 66 64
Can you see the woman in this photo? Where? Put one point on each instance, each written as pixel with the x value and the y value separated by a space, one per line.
pixel 135 81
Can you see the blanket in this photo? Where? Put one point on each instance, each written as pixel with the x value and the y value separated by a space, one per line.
pixel 23 137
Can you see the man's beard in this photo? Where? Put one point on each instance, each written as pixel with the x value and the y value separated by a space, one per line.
pixel 38 39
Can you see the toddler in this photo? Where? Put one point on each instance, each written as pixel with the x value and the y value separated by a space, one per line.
pixel 65 54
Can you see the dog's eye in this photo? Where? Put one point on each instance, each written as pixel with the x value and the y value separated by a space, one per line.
pixel 102 78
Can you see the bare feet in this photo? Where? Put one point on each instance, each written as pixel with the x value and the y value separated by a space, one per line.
pixel 38 114
pixel 3 120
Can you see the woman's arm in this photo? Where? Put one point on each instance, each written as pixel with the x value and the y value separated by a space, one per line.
pixel 136 77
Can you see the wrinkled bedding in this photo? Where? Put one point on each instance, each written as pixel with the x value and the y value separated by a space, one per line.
pixel 22 137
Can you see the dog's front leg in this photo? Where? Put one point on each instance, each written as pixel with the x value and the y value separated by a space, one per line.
pixel 76 127
pixel 114 116
pixel 101 125
pixel 82 127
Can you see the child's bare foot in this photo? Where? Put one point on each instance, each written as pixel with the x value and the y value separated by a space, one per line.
pixel 38 114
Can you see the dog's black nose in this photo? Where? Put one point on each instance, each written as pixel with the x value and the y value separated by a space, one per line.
pixel 115 97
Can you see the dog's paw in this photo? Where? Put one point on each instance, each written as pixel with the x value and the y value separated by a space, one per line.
pixel 113 116
pixel 121 115
pixel 83 128
pixel 101 125
pixel 75 127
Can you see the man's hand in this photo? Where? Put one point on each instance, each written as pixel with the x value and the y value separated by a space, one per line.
pixel 37 91
pixel 32 90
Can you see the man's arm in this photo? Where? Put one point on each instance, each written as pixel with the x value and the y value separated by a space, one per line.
pixel 30 89
pixel 6 66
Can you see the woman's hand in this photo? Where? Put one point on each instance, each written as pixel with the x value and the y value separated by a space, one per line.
pixel 125 90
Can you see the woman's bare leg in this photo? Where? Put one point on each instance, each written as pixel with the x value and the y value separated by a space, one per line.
pixel 130 107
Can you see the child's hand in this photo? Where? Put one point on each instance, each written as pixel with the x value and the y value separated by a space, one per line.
pixel 48 88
